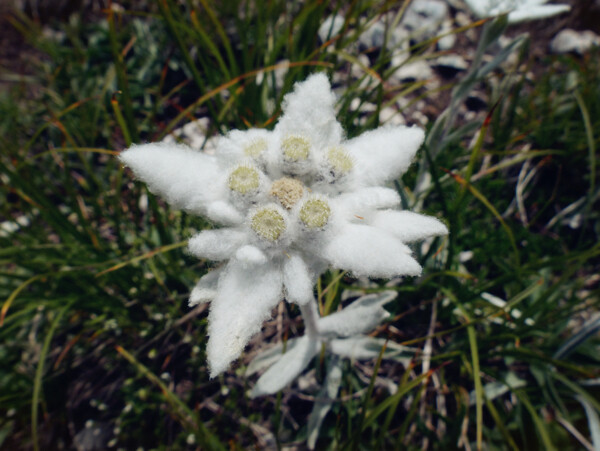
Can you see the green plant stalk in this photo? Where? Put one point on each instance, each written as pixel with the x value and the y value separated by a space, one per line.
pixel 121 77
pixel 496 416
pixel 478 385
pixel 39 372
pixel 536 420
pixel 121 120
pixel 363 414
pixel 476 370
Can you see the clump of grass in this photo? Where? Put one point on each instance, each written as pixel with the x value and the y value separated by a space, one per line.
pixel 94 281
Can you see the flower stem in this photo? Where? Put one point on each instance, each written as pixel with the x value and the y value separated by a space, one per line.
pixel 310 315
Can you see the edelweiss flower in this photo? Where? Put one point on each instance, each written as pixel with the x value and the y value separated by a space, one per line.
pixel 292 201
pixel 519 10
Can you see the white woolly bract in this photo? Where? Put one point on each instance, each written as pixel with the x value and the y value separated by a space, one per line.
pixel 216 244
pixel 309 111
pixel 244 300
pixel 289 366
pixel 184 177
pixel 383 154
pixel 297 280
pixel 364 347
pixel 224 213
pixel 206 288
pixel 536 12
pixel 519 10
pixel 364 200
pixel 349 322
pixel 408 226
pixel 269 356
pixel 367 251
pixel 360 317
pixel 251 255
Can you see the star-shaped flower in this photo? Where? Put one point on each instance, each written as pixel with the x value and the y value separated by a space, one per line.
pixel 292 202
pixel 519 10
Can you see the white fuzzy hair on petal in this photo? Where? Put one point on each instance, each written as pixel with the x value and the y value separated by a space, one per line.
pixel 216 244
pixel 244 301
pixel 184 177
pixel 297 280
pixel 309 111
pixel 206 288
pixel 367 251
pixel 289 366
pixel 364 200
pixel 384 154
pixel 407 225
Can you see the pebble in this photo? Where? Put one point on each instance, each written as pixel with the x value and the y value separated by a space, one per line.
pixel 574 41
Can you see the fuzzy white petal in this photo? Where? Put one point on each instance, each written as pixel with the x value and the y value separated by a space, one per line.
pixel 384 154
pixel 243 302
pixel 408 226
pixel 365 347
pixel 223 213
pixel 367 251
pixel 289 366
pixel 184 177
pixel 379 299
pixel 362 200
pixel 536 12
pixel 349 322
pixel 270 356
pixel 232 146
pixel 297 280
pixel 206 288
pixel 309 111
pixel 216 244
pixel 359 317
pixel 251 255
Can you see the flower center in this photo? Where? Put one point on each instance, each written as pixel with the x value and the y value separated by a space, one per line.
pixel 339 160
pixel 288 191
pixel 315 213
pixel 244 179
pixel 256 148
pixel 268 223
pixel 295 148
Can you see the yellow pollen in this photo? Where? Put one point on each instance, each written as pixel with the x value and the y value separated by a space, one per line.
pixel 244 179
pixel 315 213
pixel 255 148
pixel 295 148
pixel 268 223
pixel 288 191
pixel 339 159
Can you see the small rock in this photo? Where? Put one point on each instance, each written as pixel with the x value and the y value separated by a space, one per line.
pixel 390 116
pixel 574 41
pixel 424 17
pixel 330 27
pixel 449 65
pixel 418 70
pixel 447 42
pixel 374 36
pixel 358 69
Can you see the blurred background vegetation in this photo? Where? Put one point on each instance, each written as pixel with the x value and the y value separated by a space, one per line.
pixel 98 348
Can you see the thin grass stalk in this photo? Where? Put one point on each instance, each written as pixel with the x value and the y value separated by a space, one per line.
pixel 539 424
pixel 121 74
pixel 366 400
pixel 39 372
